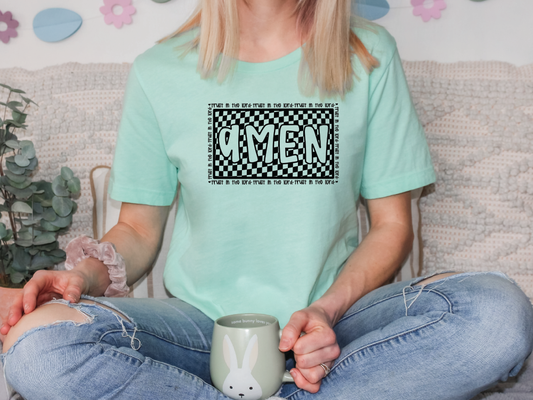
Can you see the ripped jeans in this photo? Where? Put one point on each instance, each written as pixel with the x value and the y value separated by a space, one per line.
pixel 449 339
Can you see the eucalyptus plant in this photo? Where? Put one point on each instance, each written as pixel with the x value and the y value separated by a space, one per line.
pixel 35 212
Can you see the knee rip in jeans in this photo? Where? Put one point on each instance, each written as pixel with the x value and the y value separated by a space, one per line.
pixel 49 314
pixel 135 343
pixel 423 284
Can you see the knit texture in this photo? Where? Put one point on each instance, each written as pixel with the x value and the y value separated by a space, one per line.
pixel 478 118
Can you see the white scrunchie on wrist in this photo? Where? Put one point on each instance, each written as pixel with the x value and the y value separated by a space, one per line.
pixel 84 247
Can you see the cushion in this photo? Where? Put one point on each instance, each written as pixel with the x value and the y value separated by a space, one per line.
pixel 478 118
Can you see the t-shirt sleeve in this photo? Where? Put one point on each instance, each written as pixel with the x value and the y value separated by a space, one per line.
pixel 142 172
pixel 397 157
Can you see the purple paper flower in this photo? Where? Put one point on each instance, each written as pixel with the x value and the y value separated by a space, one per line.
pixel 11 25
pixel 429 12
pixel 117 19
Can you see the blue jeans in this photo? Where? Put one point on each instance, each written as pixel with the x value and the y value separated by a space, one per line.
pixel 450 339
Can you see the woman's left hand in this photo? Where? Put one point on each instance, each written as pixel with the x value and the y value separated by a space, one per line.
pixel 317 346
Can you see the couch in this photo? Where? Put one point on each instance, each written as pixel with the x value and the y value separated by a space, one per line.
pixel 478 118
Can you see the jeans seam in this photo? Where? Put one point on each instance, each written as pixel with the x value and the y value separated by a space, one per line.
pixel 346 316
pixel 156 336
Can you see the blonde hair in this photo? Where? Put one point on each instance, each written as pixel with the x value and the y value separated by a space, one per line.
pixel 326 63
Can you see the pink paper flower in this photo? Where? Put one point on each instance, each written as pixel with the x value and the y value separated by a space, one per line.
pixel 432 11
pixel 11 25
pixel 117 19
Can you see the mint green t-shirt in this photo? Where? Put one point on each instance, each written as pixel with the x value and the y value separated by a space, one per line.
pixel 269 179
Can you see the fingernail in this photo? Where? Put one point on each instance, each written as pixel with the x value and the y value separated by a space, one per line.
pixel 26 308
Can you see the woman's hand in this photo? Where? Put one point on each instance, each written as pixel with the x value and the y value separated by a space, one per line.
pixel 47 285
pixel 317 346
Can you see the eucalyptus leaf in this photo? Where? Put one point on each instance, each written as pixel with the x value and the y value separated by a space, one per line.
pixel 33 251
pixel 25 234
pixel 18 116
pixel 33 164
pixel 14 104
pixel 48 226
pixel 21 207
pixel 13 167
pixel 20 194
pixel 9 235
pixel 66 173
pixel 41 262
pixel 3 207
pixel 62 206
pixel 57 253
pixel 3 230
pixel 44 238
pixel 74 185
pixel 28 101
pixel 7 87
pixel 21 259
pixel 15 177
pixel 27 149
pixel 59 187
pixel 13 144
pixel 37 207
pixel 62 222
pixel 23 185
pixel 32 220
pixel 13 122
pixel 48 247
pixel 49 214
pixel 46 202
pixel 16 277
pixel 21 160
pixel 18 91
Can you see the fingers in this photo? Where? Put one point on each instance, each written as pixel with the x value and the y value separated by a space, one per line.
pixel 292 331
pixel 14 314
pixel 303 383
pixel 314 358
pixel 43 287
pixel 72 292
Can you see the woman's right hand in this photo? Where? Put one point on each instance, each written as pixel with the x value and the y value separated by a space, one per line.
pixel 46 285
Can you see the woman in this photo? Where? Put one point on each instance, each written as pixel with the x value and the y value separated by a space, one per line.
pixel 271 157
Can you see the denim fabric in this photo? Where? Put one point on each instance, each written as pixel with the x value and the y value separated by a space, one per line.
pixel 450 339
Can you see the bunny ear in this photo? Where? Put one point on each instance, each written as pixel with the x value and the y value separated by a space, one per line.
pixel 229 353
pixel 251 353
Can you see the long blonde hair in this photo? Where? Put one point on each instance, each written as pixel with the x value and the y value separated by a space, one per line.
pixel 326 63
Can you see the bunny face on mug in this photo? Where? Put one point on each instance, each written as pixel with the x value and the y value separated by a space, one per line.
pixel 240 384
pixel 245 361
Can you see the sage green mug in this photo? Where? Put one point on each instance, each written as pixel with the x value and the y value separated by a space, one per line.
pixel 246 362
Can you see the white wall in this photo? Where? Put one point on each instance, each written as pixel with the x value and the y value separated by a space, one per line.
pixel 489 30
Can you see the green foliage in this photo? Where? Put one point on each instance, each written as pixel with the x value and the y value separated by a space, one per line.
pixel 37 211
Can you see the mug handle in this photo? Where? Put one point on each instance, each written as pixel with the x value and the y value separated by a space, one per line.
pixel 287 377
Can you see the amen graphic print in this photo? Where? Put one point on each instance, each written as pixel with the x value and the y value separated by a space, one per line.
pixel 273 143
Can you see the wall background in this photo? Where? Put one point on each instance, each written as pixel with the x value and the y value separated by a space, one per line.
pixel 467 31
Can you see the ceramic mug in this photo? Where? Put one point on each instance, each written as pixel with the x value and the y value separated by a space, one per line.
pixel 246 362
